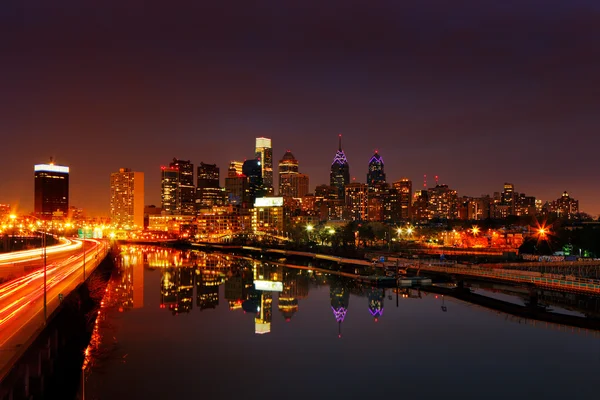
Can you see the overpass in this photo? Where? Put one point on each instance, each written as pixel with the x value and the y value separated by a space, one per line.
pixel 29 303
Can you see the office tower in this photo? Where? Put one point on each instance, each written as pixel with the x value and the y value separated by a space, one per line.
pixel 443 202
pixel 236 184
pixel 208 191
pixel 293 185
pixel 565 206
pixel 288 165
pixel 253 172
pixel 340 171
pixel 356 201
pixel 51 190
pixel 236 166
pixel 169 195
pixel 186 190
pixel 404 188
pixel 127 198
pixel 376 172
pixel 264 153
pixel 508 198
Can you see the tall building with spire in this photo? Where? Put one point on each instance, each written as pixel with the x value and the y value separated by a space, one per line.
pixel 376 172
pixel 264 153
pixel 340 171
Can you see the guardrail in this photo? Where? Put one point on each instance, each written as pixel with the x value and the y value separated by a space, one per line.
pixel 577 284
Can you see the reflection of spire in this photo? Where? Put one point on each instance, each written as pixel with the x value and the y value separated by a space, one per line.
pixel 375 296
pixel 340 298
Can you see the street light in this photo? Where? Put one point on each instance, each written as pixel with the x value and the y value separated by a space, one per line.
pixel 309 229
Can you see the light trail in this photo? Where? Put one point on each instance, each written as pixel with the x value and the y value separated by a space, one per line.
pixel 27 255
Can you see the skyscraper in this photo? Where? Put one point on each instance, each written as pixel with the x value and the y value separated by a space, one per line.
pixel 209 193
pixel 404 188
pixel 51 190
pixel 288 165
pixel 169 194
pixel 127 198
pixel 340 171
pixel 264 153
pixel 376 173
pixel 252 170
pixel 236 184
pixel 186 190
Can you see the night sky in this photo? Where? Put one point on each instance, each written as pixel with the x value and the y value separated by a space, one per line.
pixel 477 92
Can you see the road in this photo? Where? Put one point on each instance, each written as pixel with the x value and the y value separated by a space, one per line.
pixel 18 263
pixel 22 299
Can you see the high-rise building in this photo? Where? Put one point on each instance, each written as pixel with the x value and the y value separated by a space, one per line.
pixel 293 185
pixel 288 165
pixel 565 206
pixel 186 190
pixel 356 201
pixel 208 191
pixel 264 153
pixel 508 198
pixel 443 202
pixel 376 172
pixel 51 190
pixel 169 194
pixel 339 175
pixel 127 198
pixel 252 170
pixel 404 188
pixel 236 184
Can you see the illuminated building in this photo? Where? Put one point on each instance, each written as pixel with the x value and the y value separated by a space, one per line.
pixel 268 215
pixel 376 205
pixel 252 170
pixel 264 153
pixel 217 222
pixel 356 201
pixel 391 206
pixel 169 195
pixel 443 202
pixel 376 296
pixel 51 190
pixel 262 321
pixel 127 198
pixel 208 191
pixel 339 175
pixel 288 166
pixel 236 184
pixel 508 199
pixel 207 289
pixel 293 185
pixel 186 190
pixel 525 205
pixel 376 172
pixel 339 297
pixel 565 206
pixel 169 223
pixel 420 206
pixel 404 187
pixel 479 208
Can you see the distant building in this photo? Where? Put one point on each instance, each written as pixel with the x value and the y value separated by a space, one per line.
pixel 376 172
pixel 404 188
pixel 208 191
pixel 253 172
pixel 236 185
pixel 443 202
pixel 339 175
pixel 264 153
pixel 356 202
pixel 565 206
pixel 127 198
pixel 169 195
pixel 288 166
pixel 186 191
pixel 268 215
pixel 51 190
pixel 508 199
pixel 293 185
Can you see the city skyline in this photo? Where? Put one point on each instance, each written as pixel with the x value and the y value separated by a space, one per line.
pixel 476 94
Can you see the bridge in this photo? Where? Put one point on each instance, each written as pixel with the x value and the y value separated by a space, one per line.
pixel 30 302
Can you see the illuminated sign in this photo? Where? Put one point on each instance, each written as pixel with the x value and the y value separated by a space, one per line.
pixel 268 202
pixel 271 286
pixel 51 168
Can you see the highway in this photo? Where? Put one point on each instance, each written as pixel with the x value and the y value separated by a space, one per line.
pixel 22 299
pixel 18 263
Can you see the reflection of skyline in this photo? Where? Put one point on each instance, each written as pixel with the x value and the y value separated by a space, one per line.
pixel 176 288
pixel 295 287
pixel 207 289
pixel 131 285
pixel 262 321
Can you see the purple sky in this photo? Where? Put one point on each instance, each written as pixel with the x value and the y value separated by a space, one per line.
pixel 477 93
